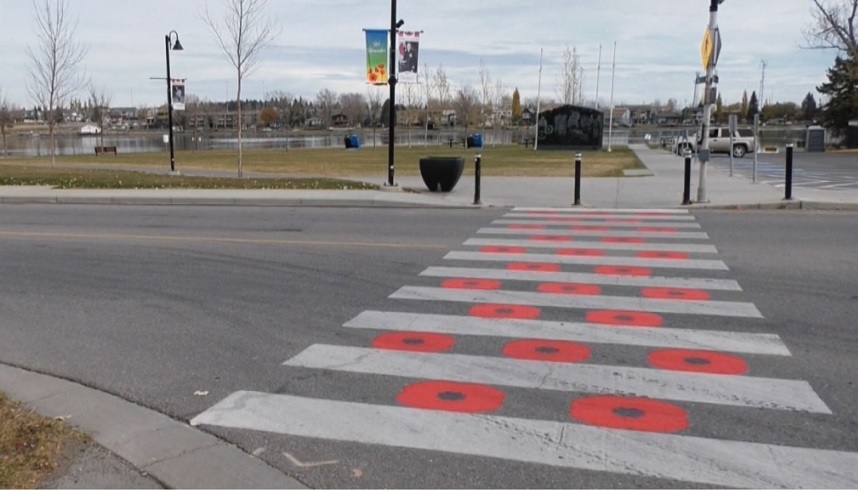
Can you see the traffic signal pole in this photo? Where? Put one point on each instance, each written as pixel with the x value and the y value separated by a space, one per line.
pixel 708 98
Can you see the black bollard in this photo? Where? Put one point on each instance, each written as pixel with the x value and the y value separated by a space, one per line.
pixel 788 187
pixel 477 161
pixel 577 179
pixel 686 183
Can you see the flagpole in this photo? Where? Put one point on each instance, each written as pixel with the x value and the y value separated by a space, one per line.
pixel 538 95
pixel 611 117
pixel 598 69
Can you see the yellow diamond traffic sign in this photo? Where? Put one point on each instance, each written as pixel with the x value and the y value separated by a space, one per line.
pixel 706 49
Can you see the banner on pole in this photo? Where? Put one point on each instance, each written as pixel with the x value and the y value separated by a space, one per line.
pixel 376 56
pixel 408 47
pixel 177 93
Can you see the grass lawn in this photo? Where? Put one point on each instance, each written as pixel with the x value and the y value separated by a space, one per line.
pixel 29 445
pixel 299 168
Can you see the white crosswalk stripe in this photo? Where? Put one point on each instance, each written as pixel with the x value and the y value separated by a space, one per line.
pixel 579 277
pixel 704 264
pixel 598 245
pixel 714 340
pixel 614 233
pixel 743 391
pixel 549 222
pixel 567 445
pixel 520 256
pixel 593 302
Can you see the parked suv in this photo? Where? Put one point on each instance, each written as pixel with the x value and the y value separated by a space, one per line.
pixel 719 142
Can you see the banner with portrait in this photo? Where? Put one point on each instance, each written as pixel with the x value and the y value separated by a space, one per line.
pixel 376 56
pixel 407 51
pixel 177 93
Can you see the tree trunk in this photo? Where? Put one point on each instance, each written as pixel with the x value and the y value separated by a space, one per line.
pixel 51 142
pixel 238 101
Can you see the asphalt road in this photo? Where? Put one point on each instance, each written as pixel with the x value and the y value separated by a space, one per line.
pixel 830 171
pixel 178 308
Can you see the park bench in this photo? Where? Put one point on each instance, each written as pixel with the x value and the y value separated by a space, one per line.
pixel 105 149
pixel 528 142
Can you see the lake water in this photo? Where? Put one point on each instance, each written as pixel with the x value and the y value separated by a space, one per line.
pixel 35 145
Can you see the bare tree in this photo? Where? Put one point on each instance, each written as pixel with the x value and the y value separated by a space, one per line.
pixel 427 94
pixel 467 106
pixel 7 119
pixel 373 101
pixel 326 102
pixel 569 79
pixel 498 105
pixel 486 91
pixel 54 61
pixel 352 105
pixel 412 98
pixel 833 26
pixel 247 29
pixel 99 102
pixel 441 87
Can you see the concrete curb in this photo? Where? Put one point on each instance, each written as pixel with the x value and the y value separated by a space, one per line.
pixel 173 453
pixel 228 201
pixel 784 205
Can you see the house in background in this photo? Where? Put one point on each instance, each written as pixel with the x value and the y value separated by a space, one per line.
pixel 90 130
pixel 622 117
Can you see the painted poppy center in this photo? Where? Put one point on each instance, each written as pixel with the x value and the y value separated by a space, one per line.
pixel 632 413
pixel 452 396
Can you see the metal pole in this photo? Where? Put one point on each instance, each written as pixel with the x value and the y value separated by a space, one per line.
pixel 756 143
pixel 477 173
pixel 598 69
pixel 538 94
pixel 170 105
pixel 686 182
pixel 611 105
pixel 392 83
pixel 707 106
pixel 788 187
pixel 577 179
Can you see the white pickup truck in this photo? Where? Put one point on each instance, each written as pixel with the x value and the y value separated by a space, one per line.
pixel 719 142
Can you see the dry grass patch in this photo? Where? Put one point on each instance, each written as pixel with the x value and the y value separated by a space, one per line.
pixel 30 445
pixel 502 160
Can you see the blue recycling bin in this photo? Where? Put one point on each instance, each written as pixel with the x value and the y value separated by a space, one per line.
pixel 475 140
pixel 354 141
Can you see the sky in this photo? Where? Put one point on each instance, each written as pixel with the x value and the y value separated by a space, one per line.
pixel 322 45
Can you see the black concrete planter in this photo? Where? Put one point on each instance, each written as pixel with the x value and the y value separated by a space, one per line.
pixel 441 171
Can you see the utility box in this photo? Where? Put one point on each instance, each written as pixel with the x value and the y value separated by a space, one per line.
pixel 815 139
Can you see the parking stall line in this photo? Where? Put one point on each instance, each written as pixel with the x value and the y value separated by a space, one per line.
pixel 589 260
pixel 740 342
pixel 586 278
pixel 742 391
pixel 559 444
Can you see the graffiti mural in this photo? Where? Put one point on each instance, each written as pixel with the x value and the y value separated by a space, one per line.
pixel 570 127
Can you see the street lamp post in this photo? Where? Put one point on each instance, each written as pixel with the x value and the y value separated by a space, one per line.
pixel 394 25
pixel 177 47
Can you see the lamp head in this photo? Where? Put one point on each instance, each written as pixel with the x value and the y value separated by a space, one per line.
pixel 178 46
pixel 400 23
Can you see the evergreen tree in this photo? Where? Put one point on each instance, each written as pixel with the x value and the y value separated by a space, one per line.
pixel 842 91
pixel 516 106
pixel 808 107
pixel 743 109
pixel 753 107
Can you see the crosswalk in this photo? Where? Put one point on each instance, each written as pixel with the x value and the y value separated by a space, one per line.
pixel 553 286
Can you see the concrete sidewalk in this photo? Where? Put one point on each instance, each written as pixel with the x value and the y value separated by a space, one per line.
pixel 661 188
pixel 145 448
